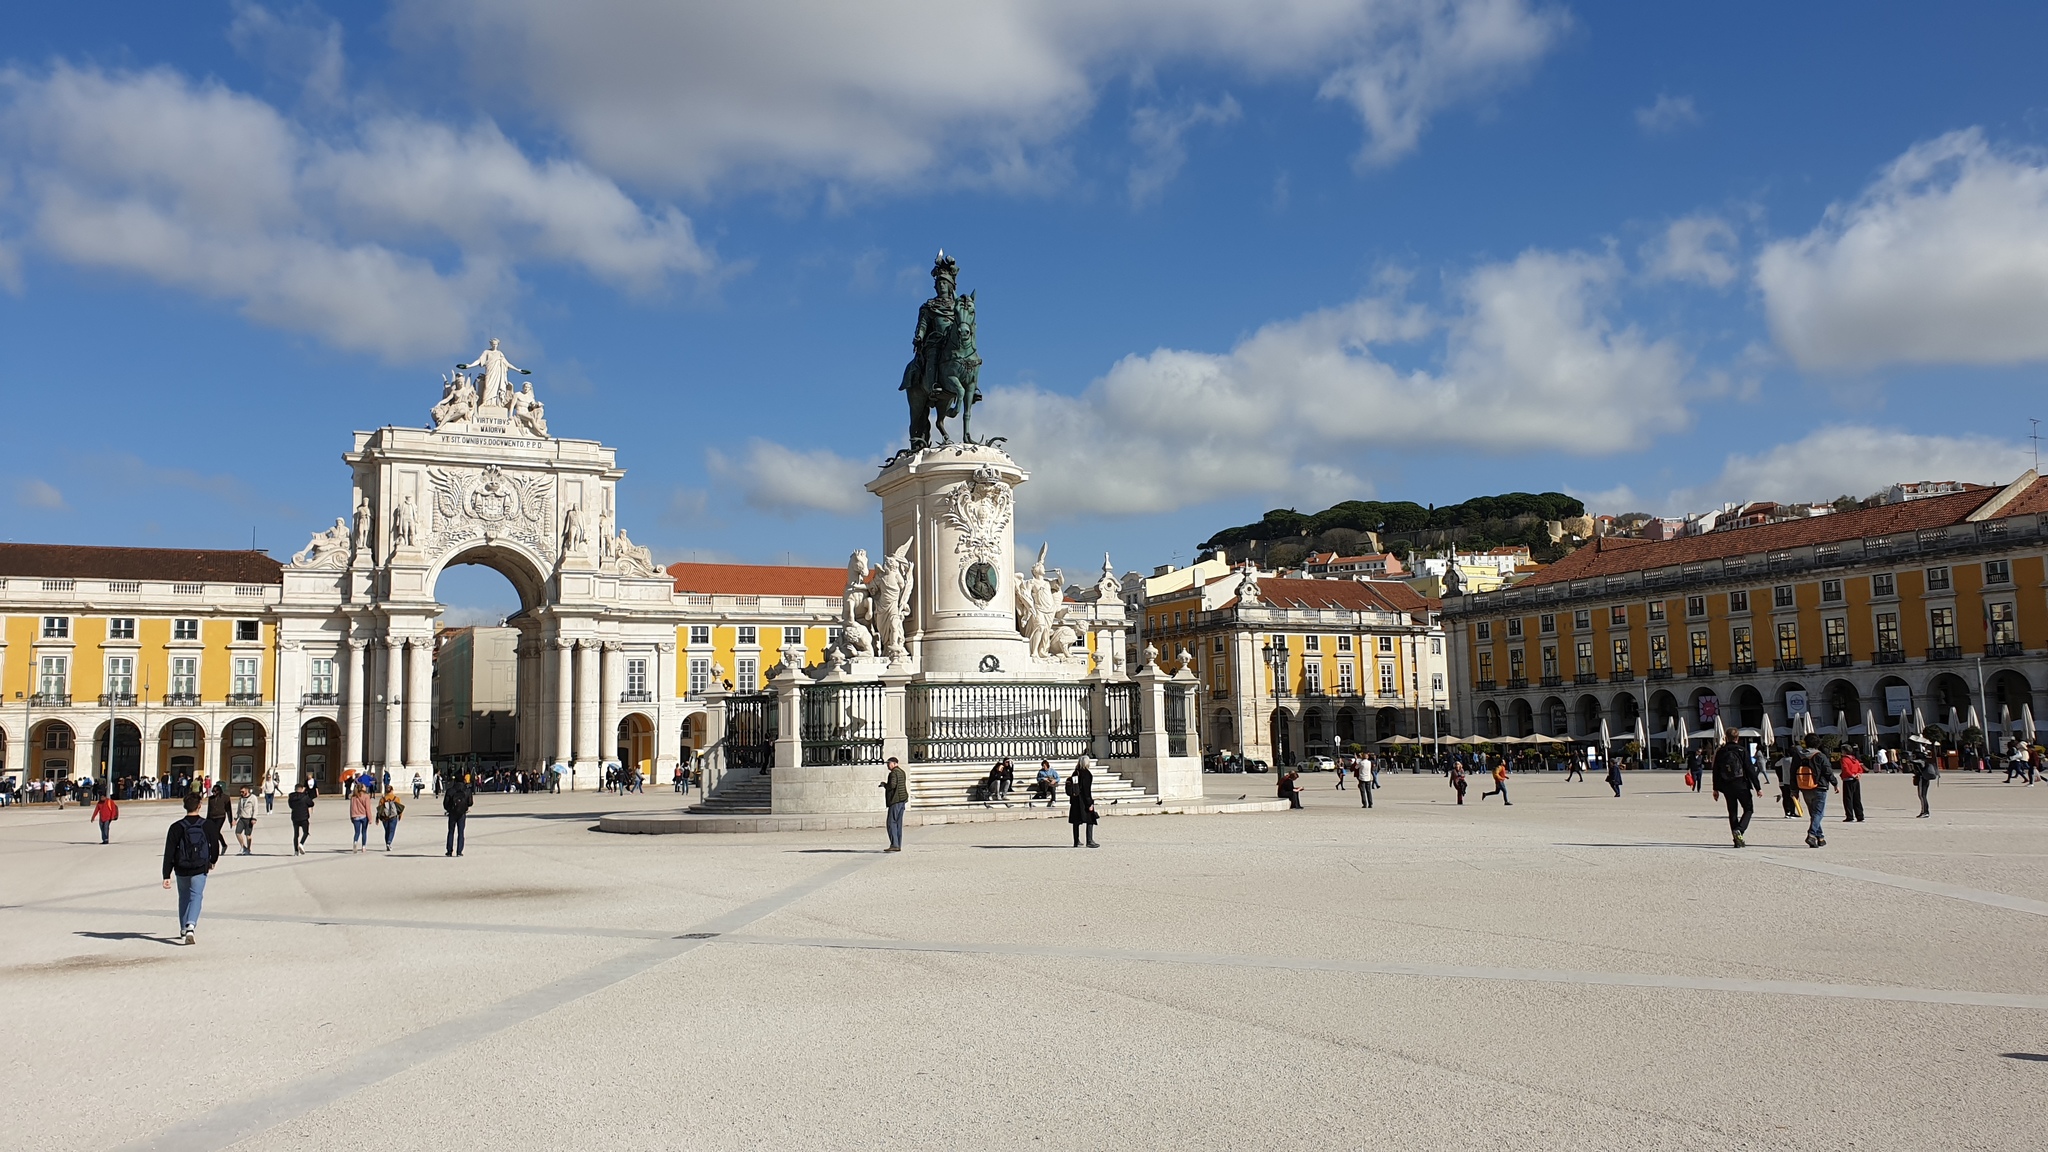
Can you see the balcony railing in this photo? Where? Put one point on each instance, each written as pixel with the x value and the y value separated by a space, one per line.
pixel 51 700
pixel 1700 670
pixel 636 697
pixel 1552 680
pixel 1794 664
pixel 1620 676
pixel 1742 667
pixel 1586 678
pixel 117 699
pixel 1517 683
pixel 1837 660
pixel 1660 673
pixel 319 699
pixel 245 699
pixel 2004 648
pixel 181 699
pixel 1944 652
pixel 1488 685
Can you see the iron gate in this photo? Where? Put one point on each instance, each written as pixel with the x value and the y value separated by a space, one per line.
pixel 1120 705
pixel 989 722
pixel 750 721
pixel 842 724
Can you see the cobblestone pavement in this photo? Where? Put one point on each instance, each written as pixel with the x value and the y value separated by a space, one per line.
pixel 1576 971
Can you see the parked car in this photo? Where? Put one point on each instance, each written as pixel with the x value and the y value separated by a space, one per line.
pixel 1319 764
pixel 1256 766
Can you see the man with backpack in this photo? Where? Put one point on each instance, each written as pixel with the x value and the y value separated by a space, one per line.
pixel 1814 774
pixel 190 853
pixel 455 801
pixel 1737 781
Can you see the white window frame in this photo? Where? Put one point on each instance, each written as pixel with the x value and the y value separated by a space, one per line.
pixel 245 676
pixel 184 627
pixel 56 628
pixel 747 636
pixel 253 627
pixel 320 676
pixel 700 675
pixel 120 675
pixel 1346 679
pixel 1387 682
pixel 1312 677
pixel 185 676
pixel 700 634
pixel 746 674
pixel 120 627
pixel 636 676
pixel 792 634
pixel 53 675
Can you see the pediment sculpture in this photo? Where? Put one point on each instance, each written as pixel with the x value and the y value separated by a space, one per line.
pixel 328 549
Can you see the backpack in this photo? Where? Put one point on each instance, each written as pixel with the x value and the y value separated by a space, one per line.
pixel 388 810
pixel 195 848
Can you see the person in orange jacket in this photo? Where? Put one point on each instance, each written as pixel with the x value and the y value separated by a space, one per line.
pixel 1500 784
pixel 104 814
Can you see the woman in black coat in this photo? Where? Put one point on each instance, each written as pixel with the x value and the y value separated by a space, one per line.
pixel 1081 802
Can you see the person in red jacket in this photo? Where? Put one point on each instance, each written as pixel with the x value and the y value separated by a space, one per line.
pixel 1852 788
pixel 104 814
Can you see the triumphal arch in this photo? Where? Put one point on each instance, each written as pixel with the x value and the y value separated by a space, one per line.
pixel 486 483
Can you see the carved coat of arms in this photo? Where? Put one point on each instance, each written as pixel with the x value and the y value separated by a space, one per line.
pixel 978 509
pixel 490 504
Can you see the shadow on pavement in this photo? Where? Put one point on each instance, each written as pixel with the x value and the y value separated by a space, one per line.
pixel 2025 1056
pixel 149 936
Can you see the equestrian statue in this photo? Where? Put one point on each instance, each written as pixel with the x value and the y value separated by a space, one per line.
pixel 942 377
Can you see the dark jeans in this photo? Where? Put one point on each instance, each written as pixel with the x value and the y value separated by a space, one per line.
pixel 390 830
pixel 1696 781
pixel 1365 791
pixel 269 803
pixel 1616 785
pixel 896 825
pixel 1294 798
pixel 220 842
pixel 458 830
pixel 1852 798
pixel 1743 799
pixel 302 831
pixel 1461 793
pixel 1816 807
pixel 1924 784
pixel 1500 791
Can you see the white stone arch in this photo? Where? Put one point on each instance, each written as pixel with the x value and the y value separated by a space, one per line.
pixel 520 565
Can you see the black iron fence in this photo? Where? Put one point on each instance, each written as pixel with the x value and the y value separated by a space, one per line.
pixel 842 724
pixel 750 724
pixel 1177 699
pixel 1121 707
pixel 988 722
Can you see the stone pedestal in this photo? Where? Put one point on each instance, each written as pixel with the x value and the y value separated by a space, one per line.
pixel 1158 770
pixel 955 504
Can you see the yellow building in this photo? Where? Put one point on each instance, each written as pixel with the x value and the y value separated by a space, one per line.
pixel 172 650
pixel 1921 611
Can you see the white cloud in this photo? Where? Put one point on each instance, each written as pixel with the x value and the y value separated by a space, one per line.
pixel 1530 360
pixel 301 46
pixel 1942 260
pixel 788 481
pixel 689 94
pixel 1697 248
pixel 40 495
pixel 1158 134
pixel 198 187
pixel 1668 114
pixel 1854 460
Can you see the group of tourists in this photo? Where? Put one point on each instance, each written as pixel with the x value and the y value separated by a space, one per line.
pixel 1805 777
pixel 1079 787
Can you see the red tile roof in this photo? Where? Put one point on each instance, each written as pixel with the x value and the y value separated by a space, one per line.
pixel 1342 595
pixel 1613 556
pixel 758 579
pixel 179 565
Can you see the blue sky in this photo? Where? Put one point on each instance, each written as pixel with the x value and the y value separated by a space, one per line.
pixel 1229 257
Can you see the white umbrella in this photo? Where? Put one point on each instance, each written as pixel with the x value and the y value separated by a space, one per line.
pixel 1973 721
pixel 1684 731
pixel 1642 736
pixel 1954 722
pixel 1869 730
pixel 1770 737
pixel 2004 721
pixel 2027 722
pixel 1919 721
pixel 1720 731
pixel 1606 738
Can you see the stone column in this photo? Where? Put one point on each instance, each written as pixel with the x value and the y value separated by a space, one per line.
pixel 667 725
pixel 393 752
pixel 610 684
pixel 560 701
pixel 586 710
pixel 356 692
pixel 523 725
pixel 419 706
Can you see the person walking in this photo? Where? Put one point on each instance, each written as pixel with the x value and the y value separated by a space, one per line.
pixel 1574 767
pixel 190 852
pixel 1852 788
pixel 418 785
pixel 1814 775
pixel 301 804
pixel 1926 773
pixel 389 810
pixel 1458 781
pixel 1697 768
pixel 455 801
pixel 1737 781
pixel 245 821
pixel 359 809
pixel 104 814
pixel 1500 783
pixel 895 797
pixel 217 808
pixel 1081 802
pixel 270 787
pixel 1787 783
pixel 1614 776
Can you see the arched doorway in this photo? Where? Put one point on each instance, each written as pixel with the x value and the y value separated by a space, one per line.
pixel 242 748
pixel 636 744
pixel 1950 695
pixel 1626 711
pixel 1387 722
pixel 1521 719
pixel 51 751
pixel 319 755
pixel 2010 699
pixel 1789 694
pixel 127 759
pixel 1283 737
pixel 1221 730
pixel 1748 707
pixel 495 683
pixel 180 750
pixel 1588 715
pixel 1489 719
pixel 1347 727
pixel 1663 711
pixel 1313 736
pixel 695 728
pixel 1556 718
pixel 1840 705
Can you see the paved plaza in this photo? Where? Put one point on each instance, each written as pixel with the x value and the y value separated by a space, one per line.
pixel 1572 972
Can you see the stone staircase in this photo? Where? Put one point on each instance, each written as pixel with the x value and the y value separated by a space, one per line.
pixel 738 794
pixel 931 786
pixel 950 785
